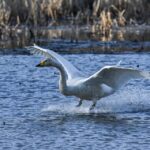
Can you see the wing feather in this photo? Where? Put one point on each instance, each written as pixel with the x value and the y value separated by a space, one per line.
pixel 71 71
pixel 115 77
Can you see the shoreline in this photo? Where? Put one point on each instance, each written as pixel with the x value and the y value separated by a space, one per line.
pixel 76 39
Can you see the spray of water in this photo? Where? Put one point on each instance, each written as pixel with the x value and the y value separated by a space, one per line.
pixel 127 101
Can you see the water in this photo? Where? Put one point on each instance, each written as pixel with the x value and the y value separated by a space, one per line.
pixel 34 115
pixel 76 39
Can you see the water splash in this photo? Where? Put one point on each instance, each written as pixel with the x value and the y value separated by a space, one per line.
pixel 128 101
pixel 67 109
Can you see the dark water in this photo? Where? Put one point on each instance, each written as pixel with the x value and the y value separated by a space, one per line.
pixel 76 39
pixel 34 115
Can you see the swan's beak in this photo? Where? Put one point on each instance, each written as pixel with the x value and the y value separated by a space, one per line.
pixel 41 64
pixel 38 65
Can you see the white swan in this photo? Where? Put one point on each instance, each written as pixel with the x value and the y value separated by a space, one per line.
pixel 74 83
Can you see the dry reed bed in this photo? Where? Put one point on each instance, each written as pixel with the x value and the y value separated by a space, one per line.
pixel 104 15
pixel 45 12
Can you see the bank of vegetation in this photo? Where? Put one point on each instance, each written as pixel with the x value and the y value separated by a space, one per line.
pixel 49 12
pixel 20 20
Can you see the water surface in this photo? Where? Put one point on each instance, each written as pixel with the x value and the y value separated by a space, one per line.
pixel 76 39
pixel 34 115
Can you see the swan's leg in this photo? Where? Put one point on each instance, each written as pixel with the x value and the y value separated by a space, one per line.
pixel 80 103
pixel 93 105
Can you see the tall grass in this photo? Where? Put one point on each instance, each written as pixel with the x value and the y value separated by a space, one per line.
pixel 45 12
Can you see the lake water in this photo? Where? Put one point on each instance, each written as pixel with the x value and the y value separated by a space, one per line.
pixel 76 39
pixel 34 115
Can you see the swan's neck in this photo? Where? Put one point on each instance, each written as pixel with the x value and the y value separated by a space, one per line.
pixel 63 79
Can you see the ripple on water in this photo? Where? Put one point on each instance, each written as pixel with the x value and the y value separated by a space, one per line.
pixel 34 115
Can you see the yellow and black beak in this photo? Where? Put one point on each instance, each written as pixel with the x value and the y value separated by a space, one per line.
pixel 41 64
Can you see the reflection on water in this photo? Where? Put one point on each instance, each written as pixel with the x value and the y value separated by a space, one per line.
pixel 22 36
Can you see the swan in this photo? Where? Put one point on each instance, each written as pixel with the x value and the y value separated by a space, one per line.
pixel 73 82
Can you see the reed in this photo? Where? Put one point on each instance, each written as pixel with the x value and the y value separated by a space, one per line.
pixel 14 12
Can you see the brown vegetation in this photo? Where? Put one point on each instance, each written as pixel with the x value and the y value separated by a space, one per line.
pixel 18 17
pixel 45 12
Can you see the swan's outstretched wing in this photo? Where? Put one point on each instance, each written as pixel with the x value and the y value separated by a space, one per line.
pixel 71 71
pixel 115 76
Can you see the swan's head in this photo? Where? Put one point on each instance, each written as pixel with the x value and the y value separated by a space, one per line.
pixel 46 63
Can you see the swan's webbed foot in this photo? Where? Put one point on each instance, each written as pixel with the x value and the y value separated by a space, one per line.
pixel 93 105
pixel 80 103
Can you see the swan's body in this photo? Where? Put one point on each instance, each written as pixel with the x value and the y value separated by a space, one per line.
pixel 74 83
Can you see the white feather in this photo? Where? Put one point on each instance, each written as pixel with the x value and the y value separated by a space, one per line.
pixel 102 83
